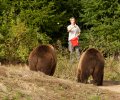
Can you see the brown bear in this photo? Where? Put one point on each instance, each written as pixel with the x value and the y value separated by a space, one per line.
pixel 43 58
pixel 91 63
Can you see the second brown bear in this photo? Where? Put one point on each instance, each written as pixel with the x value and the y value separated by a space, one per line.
pixel 43 58
pixel 91 63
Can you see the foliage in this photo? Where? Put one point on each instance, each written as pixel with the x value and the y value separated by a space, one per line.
pixel 20 30
pixel 101 18
pixel 25 24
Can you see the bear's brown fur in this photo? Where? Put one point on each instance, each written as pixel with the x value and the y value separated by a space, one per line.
pixel 43 58
pixel 91 63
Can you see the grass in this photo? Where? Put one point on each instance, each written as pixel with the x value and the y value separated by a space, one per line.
pixel 17 96
pixel 19 83
pixel 94 97
pixel 66 70
pixel 112 69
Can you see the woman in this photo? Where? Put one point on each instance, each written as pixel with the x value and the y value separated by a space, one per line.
pixel 74 33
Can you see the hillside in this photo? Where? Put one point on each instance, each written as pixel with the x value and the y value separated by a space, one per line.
pixel 19 83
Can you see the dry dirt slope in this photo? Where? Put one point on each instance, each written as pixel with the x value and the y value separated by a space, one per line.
pixel 18 83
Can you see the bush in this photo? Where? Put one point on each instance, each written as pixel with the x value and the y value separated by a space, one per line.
pixel 20 41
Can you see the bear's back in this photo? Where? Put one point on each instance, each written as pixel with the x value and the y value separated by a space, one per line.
pixel 93 53
pixel 42 50
pixel 43 58
pixel 90 58
pixel 91 63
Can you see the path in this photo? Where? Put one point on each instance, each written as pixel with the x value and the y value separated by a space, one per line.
pixel 111 86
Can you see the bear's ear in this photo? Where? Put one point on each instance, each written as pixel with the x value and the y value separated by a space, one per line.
pixel 51 46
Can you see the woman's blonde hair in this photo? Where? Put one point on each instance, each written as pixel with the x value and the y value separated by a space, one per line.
pixel 72 18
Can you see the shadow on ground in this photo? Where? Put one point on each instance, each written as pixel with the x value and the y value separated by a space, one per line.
pixel 110 83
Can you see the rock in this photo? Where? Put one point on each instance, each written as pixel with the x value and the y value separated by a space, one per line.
pixel 3 88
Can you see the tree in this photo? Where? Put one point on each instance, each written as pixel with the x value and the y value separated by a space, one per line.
pixel 25 24
pixel 101 19
pixel 22 27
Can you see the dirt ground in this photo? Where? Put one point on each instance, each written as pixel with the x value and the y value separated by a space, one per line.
pixel 111 86
pixel 19 83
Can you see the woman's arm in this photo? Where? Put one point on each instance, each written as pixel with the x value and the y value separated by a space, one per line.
pixel 70 29
pixel 79 31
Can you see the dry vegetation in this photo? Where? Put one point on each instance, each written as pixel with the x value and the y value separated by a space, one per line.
pixel 19 83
